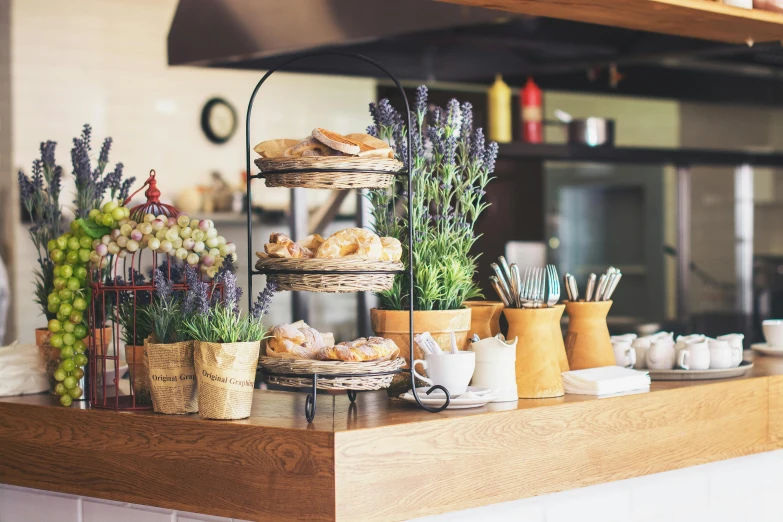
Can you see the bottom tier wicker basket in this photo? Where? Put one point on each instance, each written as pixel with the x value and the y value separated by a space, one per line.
pixel 333 375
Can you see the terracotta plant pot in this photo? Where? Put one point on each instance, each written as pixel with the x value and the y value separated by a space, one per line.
pixel 100 338
pixel 538 351
pixel 139 373
pixel 588 344
pixel 50 356
pixel 394 325
pixel 484 318
pixel 557 334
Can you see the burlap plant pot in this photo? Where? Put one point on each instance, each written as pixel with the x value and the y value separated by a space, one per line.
pixel 226 376
pixel 172 376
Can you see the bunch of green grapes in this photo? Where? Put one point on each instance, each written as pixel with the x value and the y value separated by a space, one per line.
pixel 69 299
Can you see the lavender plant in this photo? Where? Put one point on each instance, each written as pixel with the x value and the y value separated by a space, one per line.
pixel 92 184
pixel 165 311
pixel 452 165
pixel 218 319
pixel 40 195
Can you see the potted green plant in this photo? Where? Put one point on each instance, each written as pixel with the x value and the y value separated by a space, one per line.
pixel 452 165
pixel 135 317
pixel 227 344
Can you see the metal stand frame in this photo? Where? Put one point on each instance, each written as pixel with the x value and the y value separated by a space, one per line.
pixel 310 402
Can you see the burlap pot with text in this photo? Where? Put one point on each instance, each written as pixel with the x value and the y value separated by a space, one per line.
pixel 172 376
pixel 226 375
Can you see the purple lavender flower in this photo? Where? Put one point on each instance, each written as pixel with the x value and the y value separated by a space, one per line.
pixel 490 155
pixel 387 115
pixel 436 139
pixel 437 116
pixel 264 300
pixel 467 121
pixel 421 100
pixel 47 153
pixel 197 296
pixel 374 114
pixel 476 152
pixel 450 151
pixel 125 188
pixel 453 115
pixel 26 188
pixel 163 287
pixel 372 130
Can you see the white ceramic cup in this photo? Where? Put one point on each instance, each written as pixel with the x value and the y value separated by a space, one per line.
pixel 773 332
pixel 625 337
pixel 695 355
pixel 640 346
pixel 624 354
pixel 722 355
pixel 453 371
pixel 735 341
pixel 661 354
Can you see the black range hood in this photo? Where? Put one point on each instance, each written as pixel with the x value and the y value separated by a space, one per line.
pixel 423 40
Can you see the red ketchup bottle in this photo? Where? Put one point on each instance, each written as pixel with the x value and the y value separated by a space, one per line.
pixel 532 113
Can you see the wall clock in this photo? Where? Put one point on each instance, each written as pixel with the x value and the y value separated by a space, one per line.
pixel 218 120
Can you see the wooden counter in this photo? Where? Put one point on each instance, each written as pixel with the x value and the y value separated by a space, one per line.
pixel 381 459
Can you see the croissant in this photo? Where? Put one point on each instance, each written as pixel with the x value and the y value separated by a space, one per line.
pixel 357 242
pixel 294 341
pixel 392 249
pixel 280 245
pixel 360 350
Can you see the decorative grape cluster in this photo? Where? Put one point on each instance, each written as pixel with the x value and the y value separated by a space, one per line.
pixel 194 241
pixel 70 254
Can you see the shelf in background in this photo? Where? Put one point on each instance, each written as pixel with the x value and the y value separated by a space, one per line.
pixel 639 155
pixel 691 18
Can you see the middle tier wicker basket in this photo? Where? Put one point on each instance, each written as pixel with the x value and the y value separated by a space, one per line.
pixel 330 172
pixel 333 375
pixel 329 275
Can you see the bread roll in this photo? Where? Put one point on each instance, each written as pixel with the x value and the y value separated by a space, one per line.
pixel 353 242
pixel 282 246
pixel 274 148
pixel 311 242
pixel 312 145
pixel 292 342
pixel 392 249
pixel 368 142
pixel 361 350
pixel 336 141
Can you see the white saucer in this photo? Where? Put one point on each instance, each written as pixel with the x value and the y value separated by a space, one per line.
pixel 457 403
pixel 476 390
pixel 766 349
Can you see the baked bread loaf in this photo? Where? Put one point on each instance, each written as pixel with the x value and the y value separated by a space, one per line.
pixel 282 246
pixel 367 142
pixel 274 148
pixel 294 341
pixel 392 249
pixel 361 350
pixel 310 147
pixel 336 141
pixel 311 242
pixel 351 242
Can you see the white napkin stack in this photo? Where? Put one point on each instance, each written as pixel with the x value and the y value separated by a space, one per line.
pixel 606 380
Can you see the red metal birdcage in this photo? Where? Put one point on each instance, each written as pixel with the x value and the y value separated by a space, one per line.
pixel 153 204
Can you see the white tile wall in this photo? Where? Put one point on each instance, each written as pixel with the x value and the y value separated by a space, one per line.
pixel 745 489
pixel 104 62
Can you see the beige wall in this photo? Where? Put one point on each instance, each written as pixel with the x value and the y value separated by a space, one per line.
pixel 104 62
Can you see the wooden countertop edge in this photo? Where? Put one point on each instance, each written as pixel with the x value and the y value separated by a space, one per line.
pixel 413 463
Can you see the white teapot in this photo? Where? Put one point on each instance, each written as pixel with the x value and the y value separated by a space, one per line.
pixel 495 367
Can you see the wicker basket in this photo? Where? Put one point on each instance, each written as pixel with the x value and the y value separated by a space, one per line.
pixel 353 375
pixel 313 275
pixel 331 172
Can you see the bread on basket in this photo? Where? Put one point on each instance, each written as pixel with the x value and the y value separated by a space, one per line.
pixel 300 341
pixel 348 243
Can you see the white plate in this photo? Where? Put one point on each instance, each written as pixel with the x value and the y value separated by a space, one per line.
pixel 456 403
pixel 477 390
pixel 699 375
pixel 765 349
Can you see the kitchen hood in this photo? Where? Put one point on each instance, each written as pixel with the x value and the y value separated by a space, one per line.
pixel 423 40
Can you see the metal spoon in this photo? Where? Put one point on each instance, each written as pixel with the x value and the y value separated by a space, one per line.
pixel 590 287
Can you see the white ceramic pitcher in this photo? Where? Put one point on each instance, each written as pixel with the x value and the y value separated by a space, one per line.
pixel 495 363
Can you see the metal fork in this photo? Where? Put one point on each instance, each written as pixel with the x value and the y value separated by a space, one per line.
pixel 533 287
pixel 554 286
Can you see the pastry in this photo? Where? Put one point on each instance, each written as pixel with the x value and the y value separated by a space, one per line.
pixel 311 242
pixel 336 141
pixel 274 148
pixel 294 341
pixel 386 152
pixel 367 142
pixel 280 245
pixel 311 146
pixel 354 242
pixel 392 249
pixel 360 350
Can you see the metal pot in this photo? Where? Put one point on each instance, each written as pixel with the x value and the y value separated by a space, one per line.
pixel 592 132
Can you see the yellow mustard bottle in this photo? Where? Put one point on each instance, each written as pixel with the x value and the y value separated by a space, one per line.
pixel 499 111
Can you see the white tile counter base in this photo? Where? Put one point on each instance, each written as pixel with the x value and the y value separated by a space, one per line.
pixel 736 490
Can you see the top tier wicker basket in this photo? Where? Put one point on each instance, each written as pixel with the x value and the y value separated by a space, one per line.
pixel 330 172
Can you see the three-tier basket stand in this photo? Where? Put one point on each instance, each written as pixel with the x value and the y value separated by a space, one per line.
pixel 334 173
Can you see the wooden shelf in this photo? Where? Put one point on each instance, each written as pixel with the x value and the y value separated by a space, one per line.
pixel 382 459
pixel 705 19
